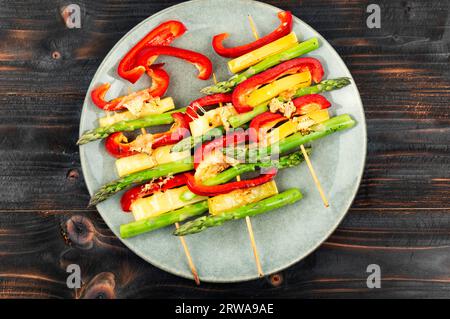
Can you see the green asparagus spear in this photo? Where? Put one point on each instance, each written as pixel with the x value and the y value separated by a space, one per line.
pixel 240 119
pixel 113 187
pixel 324 86
pixel 289 54
pixel 286 161
pixel 197 225
pixel 152 223
pixel 131 125
pixel 189 142
pixel 334 124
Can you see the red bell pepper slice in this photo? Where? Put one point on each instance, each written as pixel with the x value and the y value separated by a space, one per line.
pixel 205 101
pixel 160 80
pixel 293 66
pixel 306 102
pixel 147 189
pixel 204 190
pixel 178 131
pixel 160 83
pixel 260 121
pixel 283 29
pixel 118 146
pixel 146 57
pixel 234 138
pixel 164 34
pixel 98 98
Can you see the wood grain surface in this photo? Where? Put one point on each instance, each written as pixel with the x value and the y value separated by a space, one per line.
pixel 399 220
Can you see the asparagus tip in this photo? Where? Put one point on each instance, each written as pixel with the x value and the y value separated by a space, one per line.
pixel 92 202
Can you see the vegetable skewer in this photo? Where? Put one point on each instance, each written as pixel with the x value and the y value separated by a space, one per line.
pixel 117 185
pixel 323 86
pixel 105 131
pixel 277 201
pixel 294 52
pixel 334 124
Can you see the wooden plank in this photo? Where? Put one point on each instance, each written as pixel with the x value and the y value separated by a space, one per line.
pixel 400 218
pixel 412 257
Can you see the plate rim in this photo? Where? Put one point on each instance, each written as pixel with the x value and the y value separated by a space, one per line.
pixel 362 122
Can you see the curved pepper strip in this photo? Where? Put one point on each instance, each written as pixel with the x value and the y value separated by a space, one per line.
pixel 146 57
pixel 293 66
pixel 164 34
pixel 205 101
pixel 204 190
pixel 98 98
pixel 118 146
pixel 178 131
pixel 304 103
pixel 160 83
pixel 264 121
pixel 160 80
pixel 234 138
pixel 147 189
pixel 283 29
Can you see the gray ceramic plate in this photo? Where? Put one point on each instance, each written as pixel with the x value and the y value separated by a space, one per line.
pixel 283 237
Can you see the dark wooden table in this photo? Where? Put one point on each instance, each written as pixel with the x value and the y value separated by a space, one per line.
pixel 399 220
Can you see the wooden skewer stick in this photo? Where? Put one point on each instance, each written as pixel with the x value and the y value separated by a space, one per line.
pixel 249 223
pixel 314 176
pixel 308 161
pixel 183 243
pixel 252 241
pixel 189 258
pixel 247 218
pixel 253 27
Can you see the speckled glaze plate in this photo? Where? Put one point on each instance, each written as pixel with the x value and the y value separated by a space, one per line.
pixel 283 237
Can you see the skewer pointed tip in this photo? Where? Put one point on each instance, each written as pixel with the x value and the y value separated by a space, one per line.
pixel 189 258
pixel 314 176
